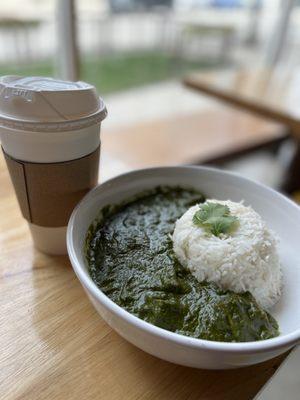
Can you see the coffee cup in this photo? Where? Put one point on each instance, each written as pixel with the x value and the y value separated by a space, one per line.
pixel 50 136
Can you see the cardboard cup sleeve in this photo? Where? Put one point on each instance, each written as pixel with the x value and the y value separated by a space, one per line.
pixel 48 192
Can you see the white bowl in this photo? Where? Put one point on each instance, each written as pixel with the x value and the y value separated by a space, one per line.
pixel 281 215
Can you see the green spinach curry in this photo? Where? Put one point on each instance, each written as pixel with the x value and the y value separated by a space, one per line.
pixel 130 258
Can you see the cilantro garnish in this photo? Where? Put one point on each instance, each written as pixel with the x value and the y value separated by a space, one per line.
pixel 215 218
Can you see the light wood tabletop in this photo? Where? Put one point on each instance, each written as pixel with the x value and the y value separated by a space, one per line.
pixel 55 346
pixel 269 93
pixel 273 94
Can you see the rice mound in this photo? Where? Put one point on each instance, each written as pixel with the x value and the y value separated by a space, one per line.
pixel 245 260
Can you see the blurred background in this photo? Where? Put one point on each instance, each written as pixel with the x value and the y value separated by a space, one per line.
pixel 185 81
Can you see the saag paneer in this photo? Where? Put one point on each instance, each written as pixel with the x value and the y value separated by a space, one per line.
pixel 131 259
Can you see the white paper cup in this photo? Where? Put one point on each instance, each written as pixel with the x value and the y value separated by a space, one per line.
pixel 50 126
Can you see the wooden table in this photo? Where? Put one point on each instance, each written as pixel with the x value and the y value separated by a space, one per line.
pixel 272 94
pixel 54 345
pixel 208 137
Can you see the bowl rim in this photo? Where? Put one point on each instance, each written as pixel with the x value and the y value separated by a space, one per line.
pixel 287 340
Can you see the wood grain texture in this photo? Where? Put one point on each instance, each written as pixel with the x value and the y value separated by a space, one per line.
pixel 55 346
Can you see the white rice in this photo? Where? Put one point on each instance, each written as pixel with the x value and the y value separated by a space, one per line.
pixel 245 260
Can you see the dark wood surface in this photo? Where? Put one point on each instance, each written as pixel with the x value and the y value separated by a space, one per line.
pixel 208 136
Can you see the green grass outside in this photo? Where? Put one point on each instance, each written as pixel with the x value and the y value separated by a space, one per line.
pixel 112 73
